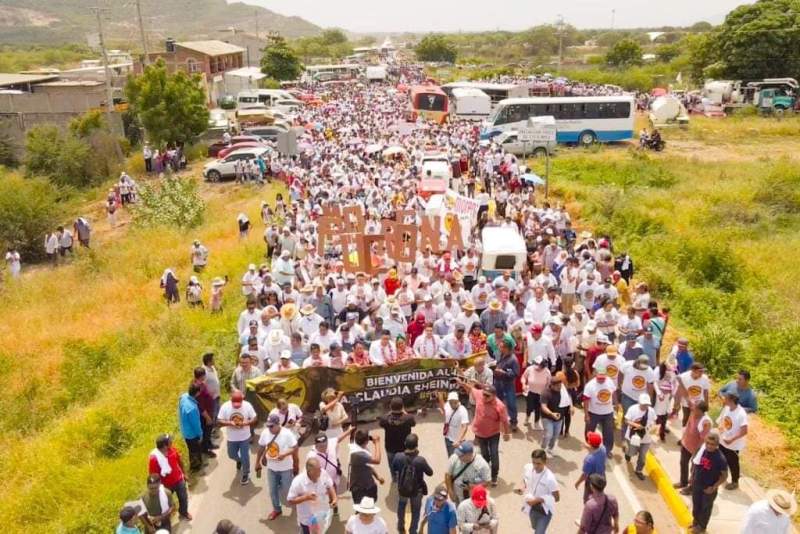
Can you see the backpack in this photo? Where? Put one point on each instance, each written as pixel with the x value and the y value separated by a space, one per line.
pixel 407 481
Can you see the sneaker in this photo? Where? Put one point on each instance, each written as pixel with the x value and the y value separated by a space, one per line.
pixel 245 480
pixel 730 486
pixel 275 514
pixel 238 466
pixel 538 426
pixel 494 483
pixel 550 452
pixel 686 490
pixel 678 485
pixel 639 475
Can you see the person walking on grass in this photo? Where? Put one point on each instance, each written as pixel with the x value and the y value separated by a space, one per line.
pixel 165 461
pixel 198 256
pixel 709 472
pixel 278 452
pixel 236 416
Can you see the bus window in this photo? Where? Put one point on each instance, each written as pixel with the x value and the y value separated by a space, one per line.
pixel 431 102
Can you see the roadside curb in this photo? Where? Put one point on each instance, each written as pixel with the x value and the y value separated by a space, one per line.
pixel 671 498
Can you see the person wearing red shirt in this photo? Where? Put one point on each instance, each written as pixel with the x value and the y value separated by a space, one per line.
pixel 491 418
pixel 415 329
pixel 392 283
pixel 166 462
pixel 592 353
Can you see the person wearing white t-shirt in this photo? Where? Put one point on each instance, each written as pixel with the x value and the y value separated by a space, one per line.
pixel 732 424
pixel 637 377
pixel 289 414
pixel 278 447
pixel 539 490
pixel 312 494
pixel 639 421
pixel 236 416
pixel 612 362
pixel 456 422
pixel 599 401
pixel 693 386
pixel 366 519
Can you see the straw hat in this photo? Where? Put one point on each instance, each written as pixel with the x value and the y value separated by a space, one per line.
pixel 494 305
pixel 366 506
pixel 216 282
pixel 288 311
pixel 782 502
pixel 307 289
pixel 307 309
pixel 469 306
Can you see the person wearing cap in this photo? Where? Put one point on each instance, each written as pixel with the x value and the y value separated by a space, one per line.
pixel 593 463
pixel 599 401
pixel 251 282
pixel 440 513
pixel 366 519
pixel 312 493
pixel 226 526
pixel 159 505
pixel 601 511
pixel 607 318
pixel 199 256
pixel 693 386
pixel 681 353
pixel 478 514
pixel 395 323
pixel 540 491
pixel 165 461
pixel 541 345
pixel 636 377
pixel 493 316
pixel 456 345
pixel 732 424
pixel 466 468
pixel 236 416
pixel 709 472
pixel 278 452
pixel 773 514
pixel 456 421
pixel 629 348
pixel 250 314
pixel 326 450
pixel 639 422
pixel 252 331
pixel 284 363
pixel 409 469
pixel 338 296
pixel 128 517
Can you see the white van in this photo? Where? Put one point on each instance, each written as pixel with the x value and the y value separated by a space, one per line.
pixel 470 103
pixel 503 250
pixel 246 99
pixel 268 97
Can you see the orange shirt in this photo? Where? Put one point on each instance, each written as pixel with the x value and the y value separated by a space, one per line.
pixel 489 418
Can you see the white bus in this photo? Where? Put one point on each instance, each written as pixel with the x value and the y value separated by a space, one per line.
pixel 583 120
pixel 496 91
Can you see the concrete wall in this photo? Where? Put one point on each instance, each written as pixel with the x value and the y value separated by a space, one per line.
pixel 54 100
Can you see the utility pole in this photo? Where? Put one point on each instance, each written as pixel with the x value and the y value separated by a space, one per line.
pixel 256 23
pixel 109 90
pixel 146 60
pixel 613 17
pixel 560 30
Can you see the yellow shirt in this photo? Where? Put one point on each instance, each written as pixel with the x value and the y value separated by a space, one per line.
pixel 622 289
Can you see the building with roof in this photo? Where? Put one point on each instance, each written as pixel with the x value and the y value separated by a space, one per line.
pixel 209 59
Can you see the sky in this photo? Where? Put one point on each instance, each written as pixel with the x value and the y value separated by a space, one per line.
pixel 478 15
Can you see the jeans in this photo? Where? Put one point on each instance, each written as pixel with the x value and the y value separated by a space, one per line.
pixel 239 451
pixel 416 505
pixel 183 497
pixel 533 403
pixel 552 429
pixel 449 446
pixel 507 394
pixel 390 459
pixel 686 456
pixel 195 453
pixel 278 483
pixel 642 452
pixel 539 521
pixel 702 505
pixel 627 402
pixel 732 457
pixel 205 442
pixel 606 423
pixel 490 450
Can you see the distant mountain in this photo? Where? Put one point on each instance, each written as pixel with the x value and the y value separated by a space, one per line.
pixel 70 21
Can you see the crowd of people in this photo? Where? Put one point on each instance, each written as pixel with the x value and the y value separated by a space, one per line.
pixel 571 332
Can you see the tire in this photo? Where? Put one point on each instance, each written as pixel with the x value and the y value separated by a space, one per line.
pixel 214 176
pixel 540 152
pixel 587 138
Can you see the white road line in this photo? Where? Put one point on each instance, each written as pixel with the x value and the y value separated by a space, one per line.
pixel 627 489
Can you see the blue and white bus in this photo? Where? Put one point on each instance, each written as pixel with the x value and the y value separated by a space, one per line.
pixel 583 120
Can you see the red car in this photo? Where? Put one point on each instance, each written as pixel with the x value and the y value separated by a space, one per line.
pixel 215 148
pixel 244 144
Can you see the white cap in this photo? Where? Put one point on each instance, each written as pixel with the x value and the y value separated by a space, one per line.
pixel 453 395
pixel 286 355
pixel 644 398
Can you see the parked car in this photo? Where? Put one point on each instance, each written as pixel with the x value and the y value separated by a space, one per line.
pixel 223 168
pixel 267 133
pixel 236 146
pixel 288 105
pixel 218 120
pixel 510 142
pixel 227 102
pixel 215 147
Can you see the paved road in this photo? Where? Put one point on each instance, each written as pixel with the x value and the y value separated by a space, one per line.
pixel 219 495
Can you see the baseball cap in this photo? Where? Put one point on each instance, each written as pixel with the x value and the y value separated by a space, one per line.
pixel 236 399
pixel 644 398
pixel 600 369
pixel 286 355
pixel 322 438
pixel 478 496
pixel 452 396
pixel 441 493
pixel 465 448
pixel 594 439
pixel 273 420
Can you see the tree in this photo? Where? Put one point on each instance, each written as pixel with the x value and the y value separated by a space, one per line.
pixel 702 53
pixel 760 40
pixel 333 37
pixel 60 156
pixel 28 209
pixel 8 151
pixel 625 53
pixel 171 107
pixel 667 52
pixel 435 48
pixel 280 62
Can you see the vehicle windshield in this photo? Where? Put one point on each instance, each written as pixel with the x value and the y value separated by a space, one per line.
pixel 493 115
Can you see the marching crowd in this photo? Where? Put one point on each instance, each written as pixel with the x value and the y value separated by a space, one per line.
pixel 572 333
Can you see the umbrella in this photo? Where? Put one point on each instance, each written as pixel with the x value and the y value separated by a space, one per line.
pixel 393 150
pixel 533 178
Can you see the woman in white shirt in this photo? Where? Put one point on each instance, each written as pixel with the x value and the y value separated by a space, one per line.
pixel 539 490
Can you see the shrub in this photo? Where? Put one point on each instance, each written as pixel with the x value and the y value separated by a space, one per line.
pixel 708 261
pixel 62 157
pixel 780 189
pixel 174 202
pixel 8 151
pixel 28 209
pixel 720 349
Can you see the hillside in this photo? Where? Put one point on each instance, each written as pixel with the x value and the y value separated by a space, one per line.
pixel 69 21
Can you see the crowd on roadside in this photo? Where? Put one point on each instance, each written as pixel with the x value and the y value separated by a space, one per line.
pixel 571 332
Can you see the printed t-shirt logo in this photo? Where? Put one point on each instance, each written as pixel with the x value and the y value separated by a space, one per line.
pixel 273 450
pixel 612 371
pixel 727 423
pixel 603 396
pixel 638 382
pixel 694 391
pixel 237 418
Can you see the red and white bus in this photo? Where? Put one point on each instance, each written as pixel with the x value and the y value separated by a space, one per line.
pixel 428 102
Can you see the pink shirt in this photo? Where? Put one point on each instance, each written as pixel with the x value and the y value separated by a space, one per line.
pixel 536 379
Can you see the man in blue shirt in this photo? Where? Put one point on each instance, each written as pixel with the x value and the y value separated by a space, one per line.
pixel 682 355
pixel 649 346
pixel 593 463
pixel 440 513
pixel 191 429
pixel 741 387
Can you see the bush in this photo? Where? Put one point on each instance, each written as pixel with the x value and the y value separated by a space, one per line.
pixel 8 151
pixel 174 202
pixel 780 189
pixel 708 261
pixel 720 349
pixel 28 209
pixel 62 157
